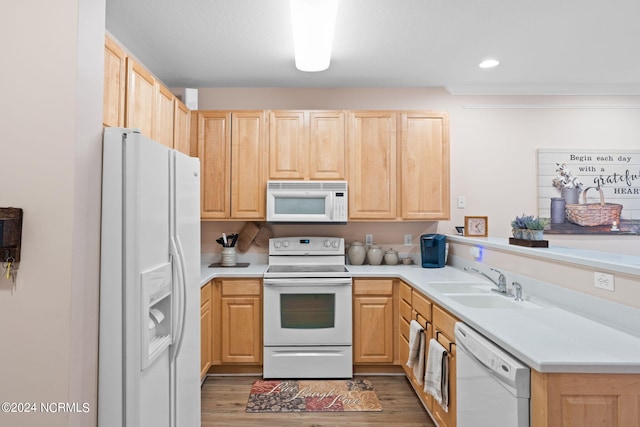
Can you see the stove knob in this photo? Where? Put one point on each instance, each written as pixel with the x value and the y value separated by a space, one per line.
pixel 285 243
pixel 277 244
pixel 326 243
pixel 335 244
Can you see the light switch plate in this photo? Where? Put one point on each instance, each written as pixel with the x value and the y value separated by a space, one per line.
pixel 408 239
pixel 462 202
pixel 368 239
pixel 603 281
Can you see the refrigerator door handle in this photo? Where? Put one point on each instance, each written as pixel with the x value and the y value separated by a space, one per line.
pixel 180 292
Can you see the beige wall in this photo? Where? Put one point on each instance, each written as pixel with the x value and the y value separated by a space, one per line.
pixel 51 123
pixel 493 150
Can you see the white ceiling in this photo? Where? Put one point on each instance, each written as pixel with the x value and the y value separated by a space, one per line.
pixel 588 47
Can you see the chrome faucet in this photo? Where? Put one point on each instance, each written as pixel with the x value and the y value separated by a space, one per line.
pixel 501 283
pixel 518 287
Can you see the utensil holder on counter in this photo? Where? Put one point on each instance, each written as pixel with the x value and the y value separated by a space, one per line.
pixel 228 256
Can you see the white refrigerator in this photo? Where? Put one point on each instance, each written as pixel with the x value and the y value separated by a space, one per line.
pixel 149 356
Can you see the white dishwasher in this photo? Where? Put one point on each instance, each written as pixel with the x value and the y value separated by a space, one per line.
pixel 493 388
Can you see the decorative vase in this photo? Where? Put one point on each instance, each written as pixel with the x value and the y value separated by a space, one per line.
pixel 374 255
pixel 356 253
pixel 558 210
pixel 391 257
pixel 517 233
pixel 536 234
pixel 571 196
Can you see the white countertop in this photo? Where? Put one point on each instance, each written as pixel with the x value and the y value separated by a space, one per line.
pixel 548 339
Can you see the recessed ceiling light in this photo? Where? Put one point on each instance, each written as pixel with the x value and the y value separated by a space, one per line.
pixel 489 63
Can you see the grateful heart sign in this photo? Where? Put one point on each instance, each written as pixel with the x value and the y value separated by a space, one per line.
pixel 615 172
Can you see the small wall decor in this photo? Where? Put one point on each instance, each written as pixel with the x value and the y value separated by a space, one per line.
pixel 10 234
pixel 587 191
pixel 476 226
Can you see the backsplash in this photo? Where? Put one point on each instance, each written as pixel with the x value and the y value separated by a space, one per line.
pixel 387 235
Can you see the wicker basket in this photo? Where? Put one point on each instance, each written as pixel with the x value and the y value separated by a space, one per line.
pixel 592 214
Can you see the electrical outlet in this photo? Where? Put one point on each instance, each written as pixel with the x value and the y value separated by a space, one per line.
pixel 603 281
pixel 462 202
pixel 368 239
pixel 408 240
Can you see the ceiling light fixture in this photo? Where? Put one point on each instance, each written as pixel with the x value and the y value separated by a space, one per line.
pixel 489 63
pixel 313 26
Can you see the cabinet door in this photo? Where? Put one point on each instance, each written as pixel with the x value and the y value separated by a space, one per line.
pixel 164 116
pixel 569 399
pixel 373 329
pixel 181 125
pixel 288 153
pixel 141 99
pixel 372 165
pixel 326 145
pixel 214 151
pixel 241 330
pixel 206 332
pixel 114 84
pixel 443 326
pixel 425 166
pixel 248 157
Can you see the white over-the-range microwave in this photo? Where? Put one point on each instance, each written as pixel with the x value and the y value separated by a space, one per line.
pixel 307 201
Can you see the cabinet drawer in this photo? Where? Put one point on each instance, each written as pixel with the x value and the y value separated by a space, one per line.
pixel 404 328
pixel 405 292
pixel 405 310
pixel 404 355
pixel 444 322
pixel 373 287
pixel 421 305
pixel 205 294
pixel 423 322
pixel 241 287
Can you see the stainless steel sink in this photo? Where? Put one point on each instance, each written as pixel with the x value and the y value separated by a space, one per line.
pixel 461 287
pixel 491 301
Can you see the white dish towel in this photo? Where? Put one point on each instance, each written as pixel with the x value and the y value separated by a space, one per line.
pixel 436 377
pixel 417 342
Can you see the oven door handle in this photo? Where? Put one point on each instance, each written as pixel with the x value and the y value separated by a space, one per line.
pixel 324 281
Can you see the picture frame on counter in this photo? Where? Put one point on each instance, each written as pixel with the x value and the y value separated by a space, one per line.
pixel 476 226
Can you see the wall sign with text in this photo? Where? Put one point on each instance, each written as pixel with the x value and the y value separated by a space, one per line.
pixel 615 172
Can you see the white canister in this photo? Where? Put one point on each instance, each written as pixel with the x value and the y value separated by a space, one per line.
pixel 356 253
pixel 391 257
pixel 229 257
pixel 374 255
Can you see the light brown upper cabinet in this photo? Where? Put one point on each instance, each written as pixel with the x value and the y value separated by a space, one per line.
pixel 398 165
pixel 213 132
pixel 424 166
pixel 306 145
pixel 141 97
pixel 371 152
pixel 164 116
pixel 248 165
pixel 232 152
pixel 114 84
pixel 181 127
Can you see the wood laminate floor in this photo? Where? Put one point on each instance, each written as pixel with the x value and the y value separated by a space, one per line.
pixel 224 400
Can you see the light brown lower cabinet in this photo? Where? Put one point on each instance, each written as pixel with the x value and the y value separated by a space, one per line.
pixel 570 400
pixel 373 325
pixel 205 329
pixel 237 325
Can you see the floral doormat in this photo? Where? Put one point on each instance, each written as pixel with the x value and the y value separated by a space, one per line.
pixel 312 396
